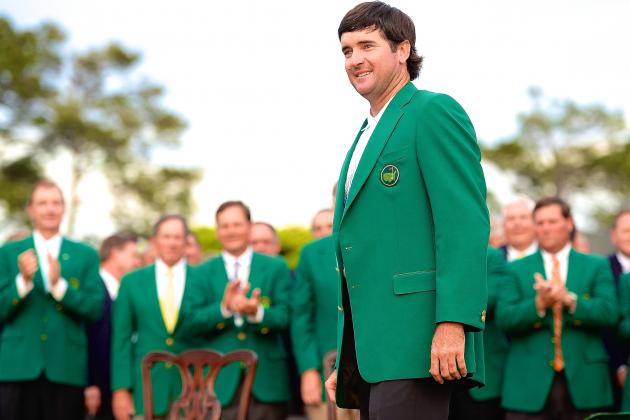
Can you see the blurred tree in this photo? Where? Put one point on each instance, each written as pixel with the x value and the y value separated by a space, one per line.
pixel 293 238
pixel 99 112
pixel 207 237
pixel 562 148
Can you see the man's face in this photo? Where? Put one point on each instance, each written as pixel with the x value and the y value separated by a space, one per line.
pixel 194 254
pixel 263 240
pixel 46 209
pixel 233 230
pixel 620 235
pixel 322 224
pixel 372 67
pixel 552 229
pixel 170 241
pixel 518 226
pixel 126 257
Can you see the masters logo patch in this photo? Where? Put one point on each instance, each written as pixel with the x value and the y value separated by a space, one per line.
pixel 390 175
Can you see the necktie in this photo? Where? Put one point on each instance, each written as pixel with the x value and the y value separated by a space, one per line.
pixel 168 305
pixel 238 320
pixel 558 359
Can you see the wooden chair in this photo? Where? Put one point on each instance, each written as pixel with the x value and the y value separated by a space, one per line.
pixel 198 400
pixel 329 365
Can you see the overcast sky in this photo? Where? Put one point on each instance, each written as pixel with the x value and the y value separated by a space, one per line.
pixel 269 108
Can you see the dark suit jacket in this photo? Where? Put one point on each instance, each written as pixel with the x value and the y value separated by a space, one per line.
pixel 616 348
pixel 99 355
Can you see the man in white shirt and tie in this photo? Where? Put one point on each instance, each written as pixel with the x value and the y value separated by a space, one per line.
pixel 148 316
pixel 119 255
pixel 242 303
pixel 49 289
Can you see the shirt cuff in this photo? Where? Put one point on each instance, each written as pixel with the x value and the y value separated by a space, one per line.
pixel 59 290
pixel 541 314
pixel 260 314
pixel 575 303
pixel 225 312
pixel 23 288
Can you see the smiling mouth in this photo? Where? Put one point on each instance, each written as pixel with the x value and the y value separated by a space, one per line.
pixel 364 74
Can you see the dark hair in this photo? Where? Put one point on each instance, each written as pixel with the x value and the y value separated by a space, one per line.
pixel 228 204
pixel 619 215
pixel 44 183
pixel 554 201
pixel 395 25
pixel 269 226
pixel 116 241
pixel 166 217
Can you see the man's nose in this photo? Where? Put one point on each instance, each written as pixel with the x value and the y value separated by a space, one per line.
pixel 355 59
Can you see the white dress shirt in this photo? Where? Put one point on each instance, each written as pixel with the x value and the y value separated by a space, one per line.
pixel 111 283
pixel 367 131
pixel 179 279
pixel 43 248
pixel 244 266
pixel 514 254
pixel 624 260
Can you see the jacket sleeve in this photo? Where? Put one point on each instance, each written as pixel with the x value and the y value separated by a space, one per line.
pixel 624 306
pixel 86 300
pixel 515 311
pixel 123 326
pixel 302 325
pixel 9 298
pixel 449 158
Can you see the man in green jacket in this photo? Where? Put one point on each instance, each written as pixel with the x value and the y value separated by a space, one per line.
pixel 553 306
pixel 148 315
pixel 485 403
pixel 49 288
pixel 410 231
pixel 242 302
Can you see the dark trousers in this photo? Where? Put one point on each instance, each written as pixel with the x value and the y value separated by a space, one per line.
pixel 40 399
pixel 557 407
pixel 464 407
pixel 406 399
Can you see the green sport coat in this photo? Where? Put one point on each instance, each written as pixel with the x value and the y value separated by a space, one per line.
pixel 529 367
pixel 495 342
pixel 40 334
pixel 411 242
pixel 624 329
pixel 137 329
pixel 314 305
pixel 272 276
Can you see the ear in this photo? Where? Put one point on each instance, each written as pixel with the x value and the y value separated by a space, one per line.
pixel 404 51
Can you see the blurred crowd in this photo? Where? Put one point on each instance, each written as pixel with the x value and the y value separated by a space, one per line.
pixel 75 323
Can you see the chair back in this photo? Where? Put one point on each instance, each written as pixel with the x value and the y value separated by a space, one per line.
pixel 199 370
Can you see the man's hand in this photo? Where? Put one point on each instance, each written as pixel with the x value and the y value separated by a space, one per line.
pixel 230 292
pixel 543 293
pixel 92 397
pixel 311 387
pixel 331 386
pixel 622 372
pixel 54 271
pixel 447 352
pixel 27 263
pixel 250 306
pixel 122 405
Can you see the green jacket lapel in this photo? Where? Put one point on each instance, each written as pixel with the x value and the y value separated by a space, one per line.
pixel 256 271
pixel 574 268
pixel 341 185
pixel 378 140
pixel 154 296
pixel 29 243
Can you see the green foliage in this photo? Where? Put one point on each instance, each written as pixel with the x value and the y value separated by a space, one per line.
pixel 102 125
pixel 293 238
pixel 562 148
pixel 17 178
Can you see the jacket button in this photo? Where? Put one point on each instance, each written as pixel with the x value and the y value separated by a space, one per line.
pixel 220 326
pixel 169 341
pixel 241 336
pixel 43 337
pixel 264 330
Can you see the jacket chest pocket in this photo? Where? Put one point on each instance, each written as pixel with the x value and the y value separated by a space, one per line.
pixel 391 166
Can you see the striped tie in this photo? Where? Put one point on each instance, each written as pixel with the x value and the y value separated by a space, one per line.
pixel 558 359
pixel 168 305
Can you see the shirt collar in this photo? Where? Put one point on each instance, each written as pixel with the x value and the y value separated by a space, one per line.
pixel 624 260
pixel 514 253
pixel 372 121
pixel 111 283
pixel 244 260
pixel 179 268
pixel 52 244
pixel 562 255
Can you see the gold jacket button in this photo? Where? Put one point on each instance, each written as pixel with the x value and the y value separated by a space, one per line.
pixel 577 322
pixel 220 326
pixel 15 301
pixel 264 330
pixel 483 316
pixel 169 341
pixel 168 365
pixel 43 337
pixel 241 336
